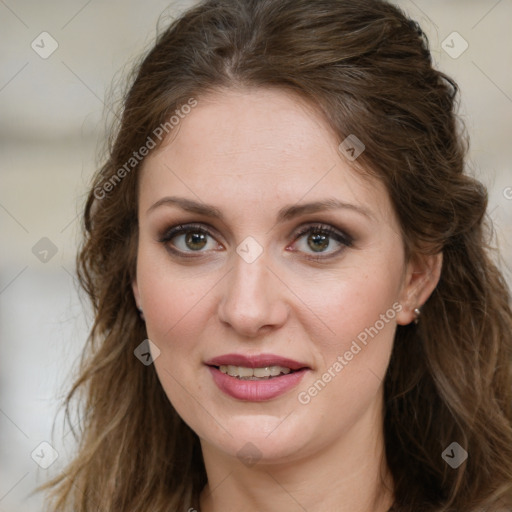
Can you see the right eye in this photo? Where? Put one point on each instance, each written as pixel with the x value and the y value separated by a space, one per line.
pixel 189 238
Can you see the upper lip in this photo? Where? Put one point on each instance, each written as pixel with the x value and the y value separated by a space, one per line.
pixel 255 361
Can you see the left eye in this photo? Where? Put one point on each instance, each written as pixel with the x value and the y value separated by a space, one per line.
pixel 321 240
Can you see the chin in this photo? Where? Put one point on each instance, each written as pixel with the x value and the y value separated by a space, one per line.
pixel 262 439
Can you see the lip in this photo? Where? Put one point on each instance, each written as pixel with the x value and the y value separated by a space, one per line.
pixel 256 390
pixel 256 361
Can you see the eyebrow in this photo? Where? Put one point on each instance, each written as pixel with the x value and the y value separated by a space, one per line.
pixel 284 214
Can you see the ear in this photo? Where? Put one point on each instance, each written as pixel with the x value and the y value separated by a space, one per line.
pixel 421 277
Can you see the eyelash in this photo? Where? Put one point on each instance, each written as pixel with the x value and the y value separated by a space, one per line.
pixel 326 230
pixel 322 229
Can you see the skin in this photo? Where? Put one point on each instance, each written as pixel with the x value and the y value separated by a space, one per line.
pixel 250 153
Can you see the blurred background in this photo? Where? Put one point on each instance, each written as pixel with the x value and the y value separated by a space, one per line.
pixel 58 62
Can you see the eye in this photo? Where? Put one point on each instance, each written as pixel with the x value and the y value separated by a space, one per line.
pixel 189 238
pixel 321 240
pixel 318 241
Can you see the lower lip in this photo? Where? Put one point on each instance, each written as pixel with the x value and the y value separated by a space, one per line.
pixel 256 390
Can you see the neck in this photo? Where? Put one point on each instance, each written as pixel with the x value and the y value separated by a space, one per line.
pixel 350 475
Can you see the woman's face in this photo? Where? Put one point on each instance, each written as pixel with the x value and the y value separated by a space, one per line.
pixel 264 255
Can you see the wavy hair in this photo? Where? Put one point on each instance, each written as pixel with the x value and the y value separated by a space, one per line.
pixel 368 69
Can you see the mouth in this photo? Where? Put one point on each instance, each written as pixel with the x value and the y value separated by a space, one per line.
pixel 255 378
pixel 245 373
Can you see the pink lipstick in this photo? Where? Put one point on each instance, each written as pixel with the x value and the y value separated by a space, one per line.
pixel 255 378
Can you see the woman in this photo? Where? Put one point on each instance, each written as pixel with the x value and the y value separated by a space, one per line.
pixel 295 307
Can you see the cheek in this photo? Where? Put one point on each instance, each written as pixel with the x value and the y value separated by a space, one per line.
pixel 352 302
pixel 353 352
pixel 176 311
pixel 358 311
pixel 174 298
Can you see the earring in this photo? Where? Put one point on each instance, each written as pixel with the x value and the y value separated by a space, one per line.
pixel 417 314
pixel 141 314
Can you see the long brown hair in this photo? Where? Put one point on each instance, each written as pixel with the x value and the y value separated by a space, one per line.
pixel 368 68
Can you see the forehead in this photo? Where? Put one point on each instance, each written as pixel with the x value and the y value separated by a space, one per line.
pixel 257 144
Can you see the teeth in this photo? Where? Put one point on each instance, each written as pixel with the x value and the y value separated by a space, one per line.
pixel 245 373
pixel 240 371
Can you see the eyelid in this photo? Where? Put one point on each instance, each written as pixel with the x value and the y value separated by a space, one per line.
pixel 181 228
pixel 344 237
pixel 341 237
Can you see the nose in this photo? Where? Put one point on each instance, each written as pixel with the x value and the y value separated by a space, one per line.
pixel 253 301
